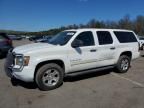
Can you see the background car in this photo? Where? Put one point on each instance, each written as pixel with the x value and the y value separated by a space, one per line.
pixel 15 37
pixel 33 38
pixel 44 39
pixel 5 44
pixel 141 42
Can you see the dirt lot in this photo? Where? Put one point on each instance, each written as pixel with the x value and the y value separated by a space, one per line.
pixel 104 89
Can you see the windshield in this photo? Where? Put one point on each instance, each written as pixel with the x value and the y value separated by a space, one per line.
pixel 62 38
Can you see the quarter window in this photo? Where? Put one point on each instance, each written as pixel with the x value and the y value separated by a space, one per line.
pixel 125 37
pixel 104 37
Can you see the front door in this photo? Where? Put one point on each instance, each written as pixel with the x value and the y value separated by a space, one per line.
pixel 84 56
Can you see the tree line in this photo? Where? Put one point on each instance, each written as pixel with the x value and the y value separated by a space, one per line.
pixel 126 22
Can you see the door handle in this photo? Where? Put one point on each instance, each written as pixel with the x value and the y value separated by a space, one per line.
pixel 112 48
pixel 93 50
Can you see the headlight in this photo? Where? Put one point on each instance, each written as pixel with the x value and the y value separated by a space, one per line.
pixel 21 60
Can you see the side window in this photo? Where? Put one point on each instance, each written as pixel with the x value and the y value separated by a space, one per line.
pixel 104 37
pixel 125 37
pixel 86 38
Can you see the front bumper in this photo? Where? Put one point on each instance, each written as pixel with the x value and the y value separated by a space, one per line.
pixel 25 74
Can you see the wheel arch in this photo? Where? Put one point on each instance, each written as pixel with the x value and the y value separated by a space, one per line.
pixel 57 61
pixel 127 53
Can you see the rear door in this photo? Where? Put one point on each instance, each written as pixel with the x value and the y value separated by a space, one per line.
pixel 106 49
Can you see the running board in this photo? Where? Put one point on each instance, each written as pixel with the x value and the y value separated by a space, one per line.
pixel 88 71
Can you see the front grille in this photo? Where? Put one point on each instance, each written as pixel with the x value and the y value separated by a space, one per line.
pixel 10 59
pixel 9 63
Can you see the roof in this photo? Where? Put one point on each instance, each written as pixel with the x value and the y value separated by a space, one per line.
pixel 101 29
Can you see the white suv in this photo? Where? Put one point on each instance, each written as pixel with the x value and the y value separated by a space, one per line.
pixel 72 52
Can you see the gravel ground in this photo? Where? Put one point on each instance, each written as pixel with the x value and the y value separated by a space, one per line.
pixel 104 89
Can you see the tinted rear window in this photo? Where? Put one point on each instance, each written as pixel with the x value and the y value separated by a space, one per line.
pixel 125 37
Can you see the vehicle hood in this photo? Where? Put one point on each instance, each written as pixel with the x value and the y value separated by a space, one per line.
pixel 33 47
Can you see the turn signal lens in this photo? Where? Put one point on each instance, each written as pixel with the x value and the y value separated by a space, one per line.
pixel 26 60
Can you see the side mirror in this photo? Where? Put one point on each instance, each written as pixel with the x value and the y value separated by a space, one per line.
pixel 77 43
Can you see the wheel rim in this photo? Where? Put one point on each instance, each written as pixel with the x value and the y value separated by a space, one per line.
pixel 124 64
pixel 50 77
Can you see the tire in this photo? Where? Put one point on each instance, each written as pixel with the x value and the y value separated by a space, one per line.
pixel 49 77
pixel 123 64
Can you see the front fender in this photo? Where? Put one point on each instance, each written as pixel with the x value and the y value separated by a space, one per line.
pixel 40 59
